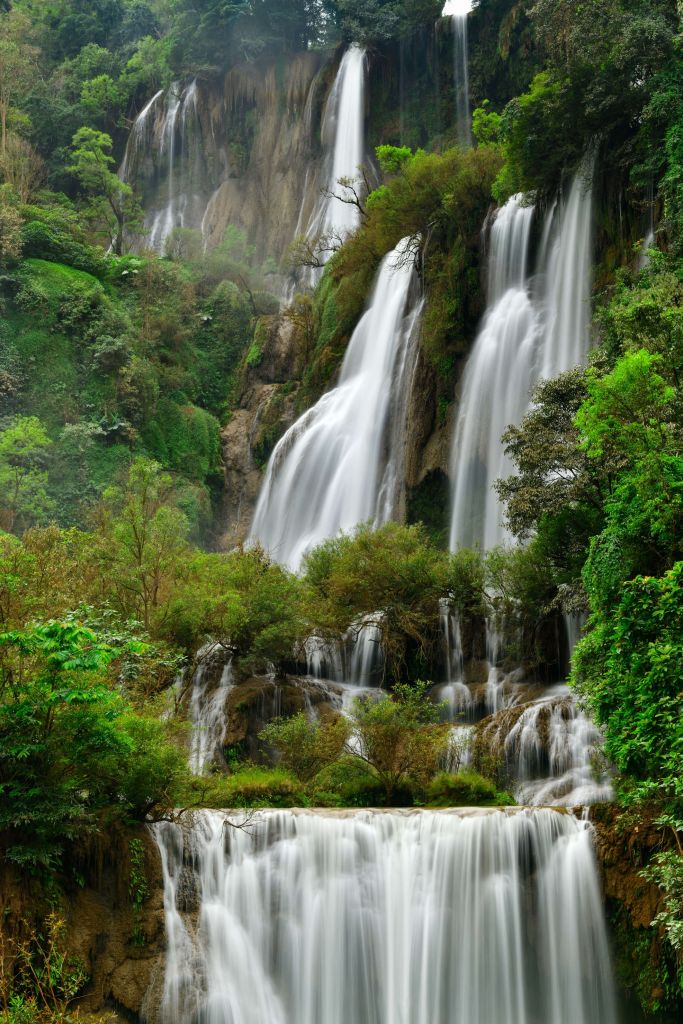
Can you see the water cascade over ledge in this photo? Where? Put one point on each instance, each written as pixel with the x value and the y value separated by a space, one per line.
pixel 341 463
pixel 535 327
pixel 415 917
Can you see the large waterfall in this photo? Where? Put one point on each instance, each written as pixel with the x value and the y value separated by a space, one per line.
pixel 341 462
pixel 496 383
pixel 525 336
pixel 415 917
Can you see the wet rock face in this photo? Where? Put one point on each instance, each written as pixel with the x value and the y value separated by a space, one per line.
pixel 120 950
pixel 216 153
pixel 257 701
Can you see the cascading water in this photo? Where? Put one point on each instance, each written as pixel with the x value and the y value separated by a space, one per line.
pixel 207 708
pixel 496 383
pixel 327 473
pixel 161 134
pixel 416 917
pixel 457 11
pixel 550 747
pixel 523 338
pixel 567 300
pixel 343 139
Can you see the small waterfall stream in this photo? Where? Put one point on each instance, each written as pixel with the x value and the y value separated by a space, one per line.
pixel 339 465
pixel 207 708
pixel 458 11
pixel 416 917
pixel 166 133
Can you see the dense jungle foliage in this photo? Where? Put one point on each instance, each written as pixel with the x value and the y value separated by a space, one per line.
pixel 119 369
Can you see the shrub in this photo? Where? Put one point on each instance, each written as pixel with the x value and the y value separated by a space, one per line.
pixel 466 789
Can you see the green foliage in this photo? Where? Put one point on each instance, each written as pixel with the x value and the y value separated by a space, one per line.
pixel 138 887
pixel 250 786
pixel 465 789
pixel 68 744
pixel 112 203
pixel 486 125
pixel 141 538
pixel 23 481
pixel 392 571
pixel 628 669
pixel 45 980
pixel 399 736
pixel 306 746
pixel 392 159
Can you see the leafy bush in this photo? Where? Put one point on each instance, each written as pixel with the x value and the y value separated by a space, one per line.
pixel 305 745
pixel 465 789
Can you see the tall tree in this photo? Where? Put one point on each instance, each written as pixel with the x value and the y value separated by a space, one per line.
pixel 112 201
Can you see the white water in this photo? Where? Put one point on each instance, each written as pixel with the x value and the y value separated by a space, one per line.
pixel 362 917
pixel 337 466
pixel 550 751
pixel 207 709
pixel 457 11
pixel 160 134
pixel 567 301
pixel 343 139
pixel 496 384
pixel 524 337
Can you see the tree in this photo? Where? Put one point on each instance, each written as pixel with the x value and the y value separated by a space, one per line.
pixel 141 539
pixel 112 202
pixel 17 66
pixel 399 736
pixel 22 168
pixel 73 757
pixel 23 479
pixel 392 576
pixel 11 244
pixel 305 745
pixel 246 602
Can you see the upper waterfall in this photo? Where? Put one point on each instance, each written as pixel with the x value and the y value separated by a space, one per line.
pixel 340 464
pixel 411 917
pixel 457 11
pixel 343 139
pixel 525 336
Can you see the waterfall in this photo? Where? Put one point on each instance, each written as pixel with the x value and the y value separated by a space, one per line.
pixel 207 707
pixel 566 304
pixel 550 746
pixel 496 383
pixel 343 139
pixel 457 11
pixel 334 467
pixel 525 336
pixel 161 135
pixel 415 917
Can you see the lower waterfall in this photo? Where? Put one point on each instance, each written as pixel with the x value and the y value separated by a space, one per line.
pixel 367 917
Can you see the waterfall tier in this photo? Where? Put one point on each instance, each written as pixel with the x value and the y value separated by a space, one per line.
pixel 459 917
pixel 242 152
pixel 343 140
pixel 341 463
pixel 534 328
